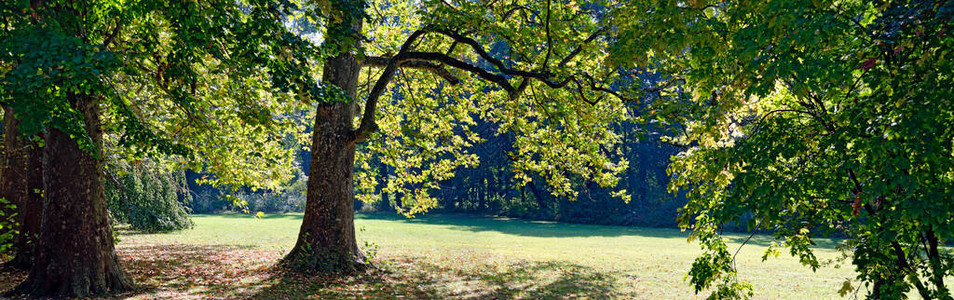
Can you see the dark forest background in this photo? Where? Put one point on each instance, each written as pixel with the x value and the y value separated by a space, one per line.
pixel 152 200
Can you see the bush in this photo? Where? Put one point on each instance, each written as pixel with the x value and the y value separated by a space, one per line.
pixel 147 197
pixel 290 199
pixel 7 225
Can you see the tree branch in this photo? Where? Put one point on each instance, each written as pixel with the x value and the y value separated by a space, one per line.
pixel 579 48
pixel 546 60
pixel 368 125
pixel 112 36
pixel 436 69
pixel 543 76
pixel 406 58
pixel 911 272
pixel 500 80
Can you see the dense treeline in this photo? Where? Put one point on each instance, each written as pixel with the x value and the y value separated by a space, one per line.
pixel 488 188
pixel 491 189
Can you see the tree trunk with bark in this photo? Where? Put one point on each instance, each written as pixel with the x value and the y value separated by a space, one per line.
pixel 75 256
pixel 22 185
pixel 326 241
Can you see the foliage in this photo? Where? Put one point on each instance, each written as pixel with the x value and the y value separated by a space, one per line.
pixel 810 117
pixel 534 69
pixel 205 81
pixel 289 198
pixel 491 189
pixel 148 197
pixel 208 200
pixel 8 225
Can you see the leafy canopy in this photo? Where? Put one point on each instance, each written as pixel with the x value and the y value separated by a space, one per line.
pixel 207 81
pixel 533 68
pixel 807 117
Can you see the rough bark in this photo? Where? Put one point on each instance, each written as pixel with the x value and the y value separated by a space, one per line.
pixel 326 241
pixel 22 183
pixel 11 172
pixel 75 256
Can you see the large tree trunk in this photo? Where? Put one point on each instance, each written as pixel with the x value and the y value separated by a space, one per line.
pixel 22 183
pixel 75 255
pixel 327 241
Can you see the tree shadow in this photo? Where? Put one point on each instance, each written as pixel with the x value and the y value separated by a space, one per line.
pixel 530 280
pixel 174 270
pixel 417 279
pixel 529 228
pixel 277 216
pixel 764 239
pixel 374 284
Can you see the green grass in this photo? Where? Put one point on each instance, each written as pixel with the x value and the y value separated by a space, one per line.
pixel 455 256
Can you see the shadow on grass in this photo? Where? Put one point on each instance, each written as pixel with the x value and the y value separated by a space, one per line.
pixel 173 271
pixel 557 229
pixel 561 280
pixel 528 279
pixel 169 270
pixel 376 284
pixel 529 228
pixel 285 216
pixel 417 280
pixel 526 227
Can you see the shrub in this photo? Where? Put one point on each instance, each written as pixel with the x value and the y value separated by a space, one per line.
pixel 147 197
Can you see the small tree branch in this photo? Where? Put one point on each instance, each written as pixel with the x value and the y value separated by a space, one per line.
pixel 911 272
pixel 500 80
pixel 436 69
pixel 479 50
pixel 112 36
pixel 546 60
pixel 579 48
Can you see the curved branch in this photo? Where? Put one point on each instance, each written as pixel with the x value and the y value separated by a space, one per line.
pixel 544 76
pixel 368 125
pixel 436 69
pixel 479 50
pixel 425 61
pixel 500 80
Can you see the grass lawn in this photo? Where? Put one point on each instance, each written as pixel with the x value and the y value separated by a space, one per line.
pixel 450 256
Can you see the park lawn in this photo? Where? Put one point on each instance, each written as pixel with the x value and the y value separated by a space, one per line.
pixel 452 256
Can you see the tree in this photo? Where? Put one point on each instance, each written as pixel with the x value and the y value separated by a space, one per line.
pixel 811 117
pixel 407 75
pixel 146 196
pixel 21 186
pixel 201 80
